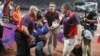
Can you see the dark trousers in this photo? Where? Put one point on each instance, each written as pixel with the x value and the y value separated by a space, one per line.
pixel 77 51
pixel 1 48
pixel 23 47
pixel 1 44
pixel 39 48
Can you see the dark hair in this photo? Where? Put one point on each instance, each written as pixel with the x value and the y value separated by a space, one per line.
pixel 67 6
pixel 92 13
pixel 15 6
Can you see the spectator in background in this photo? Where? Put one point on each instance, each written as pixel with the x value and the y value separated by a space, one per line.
pixel 16 15
pixel 1 32
pixel 0 2
pixel 6 9
pixel 70 23
pixel 52 17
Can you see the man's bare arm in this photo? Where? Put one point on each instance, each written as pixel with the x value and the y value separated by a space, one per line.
pixel 26 32
pixel 4 25
pixel 91 21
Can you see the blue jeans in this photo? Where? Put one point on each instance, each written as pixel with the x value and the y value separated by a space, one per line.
pixel 39 48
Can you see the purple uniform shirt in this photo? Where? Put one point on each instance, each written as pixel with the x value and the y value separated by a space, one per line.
pixel 67 21
pixel 28 22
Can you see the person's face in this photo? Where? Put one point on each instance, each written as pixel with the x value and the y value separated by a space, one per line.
pixel 40 23
pixel 52 7
pixel 17 8
pixel 65 10
pixel 34 11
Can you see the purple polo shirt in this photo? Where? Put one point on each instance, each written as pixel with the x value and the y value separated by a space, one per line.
pixel 67 22
pixel 28 22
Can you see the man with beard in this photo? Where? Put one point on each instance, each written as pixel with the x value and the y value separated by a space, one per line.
pixel 52 18
pixel 70 23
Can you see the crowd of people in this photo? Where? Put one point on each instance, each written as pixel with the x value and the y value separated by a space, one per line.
pixel 38 28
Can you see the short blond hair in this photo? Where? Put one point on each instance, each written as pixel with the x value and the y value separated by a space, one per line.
pixel 33 7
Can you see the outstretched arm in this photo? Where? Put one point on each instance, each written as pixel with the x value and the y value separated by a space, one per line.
pixel 91 21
